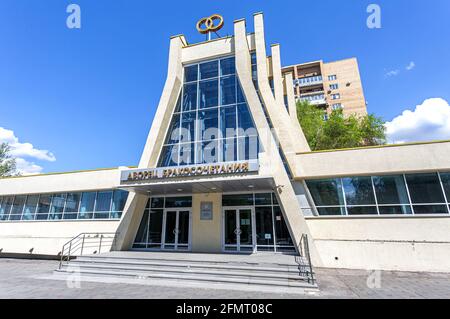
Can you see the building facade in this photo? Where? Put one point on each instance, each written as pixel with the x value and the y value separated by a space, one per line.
pixel 226 169
pixel 330 85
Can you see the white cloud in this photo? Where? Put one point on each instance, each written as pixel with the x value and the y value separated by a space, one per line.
pixel 429 121
pixel 24 151
pixel 25 167
pixel 392 73
pixel 410 66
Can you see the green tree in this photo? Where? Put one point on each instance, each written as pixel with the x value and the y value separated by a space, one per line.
pixel 7 163
pixel 339 131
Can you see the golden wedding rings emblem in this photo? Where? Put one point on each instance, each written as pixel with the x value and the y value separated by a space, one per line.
pixel 211 24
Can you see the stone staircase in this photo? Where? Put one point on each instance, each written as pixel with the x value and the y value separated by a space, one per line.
pixel 269 271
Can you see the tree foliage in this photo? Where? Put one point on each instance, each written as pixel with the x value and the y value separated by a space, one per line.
pixel 7 163
pixel 339 131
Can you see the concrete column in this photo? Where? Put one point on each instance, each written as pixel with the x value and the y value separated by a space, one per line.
pixel 277 77
pixel 135 205
pixel 289 135
pixel 271 159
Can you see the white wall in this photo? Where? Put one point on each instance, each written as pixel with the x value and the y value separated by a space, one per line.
pixel 47 237
pixel 57 183
pixel 378 243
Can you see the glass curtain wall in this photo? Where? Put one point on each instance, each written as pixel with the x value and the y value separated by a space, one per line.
pixel 409 194
pixel 106 204
pixel 211 122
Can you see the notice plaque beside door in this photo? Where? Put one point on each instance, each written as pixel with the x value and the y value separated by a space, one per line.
pixel 206 211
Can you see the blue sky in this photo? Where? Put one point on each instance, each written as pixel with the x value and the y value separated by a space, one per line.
pixel 88 96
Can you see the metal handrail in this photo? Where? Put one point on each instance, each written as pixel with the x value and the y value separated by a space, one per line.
pixel 304 252
pixel 79 242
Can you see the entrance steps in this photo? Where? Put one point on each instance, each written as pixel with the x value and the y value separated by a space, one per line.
pixel 262 270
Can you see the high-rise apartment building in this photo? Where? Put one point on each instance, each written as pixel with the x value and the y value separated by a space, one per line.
pixel 333 85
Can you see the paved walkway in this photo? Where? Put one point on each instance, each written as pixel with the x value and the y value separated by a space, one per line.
pixel 29 279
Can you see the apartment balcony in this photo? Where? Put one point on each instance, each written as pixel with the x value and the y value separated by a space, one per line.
pixel 313 99
pixel 309 81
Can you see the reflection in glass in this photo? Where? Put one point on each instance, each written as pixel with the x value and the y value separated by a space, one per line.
pixel 326 192
pixel 391 189
pixel 209 94
pixel 209 70
pixel 30 207
pixel 358 191
pixel 425 188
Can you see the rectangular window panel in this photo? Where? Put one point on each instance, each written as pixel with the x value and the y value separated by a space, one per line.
pixel 229 150
pixel 188 127
pixel 190 97
pixel 72 205
pixel 17 208
pixel 395 210
pixel 103 205
pixel 430 209
pixel 208 152
pixel 209 93
pixel 173 134
pixel 169 156
pixel 5 207
pixel 208 124
pixel 227 66
pixel 87 205
pixel 191 73
pixel 187 154
pixel 174 202
pixel 30 207
pixel 157 202
pixel 119 199
pixel 245 122
pixel 228 90
pixel 263 199
pixel 140 240
pixel 281 230
pixel 264 226
pixel 43 207
pixel 228 121
pixel 326 192
pixel 237 200
pixel 57 207
pixel 248 148
pixel 445 178
pixel 358 191
pixel 425 188
pixel 369 210
pixel 209 70
pixel 390 189
pixel 155 229
pixel 331 211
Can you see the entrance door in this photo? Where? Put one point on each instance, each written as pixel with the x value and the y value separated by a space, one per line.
pixel 176 226
pixel 238 229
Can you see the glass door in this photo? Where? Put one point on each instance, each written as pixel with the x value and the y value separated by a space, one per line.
pixel 238 231
pixel 177 229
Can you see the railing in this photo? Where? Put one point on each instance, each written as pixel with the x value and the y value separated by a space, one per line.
pixel 312 80
pixel 305 268
pixel 86 243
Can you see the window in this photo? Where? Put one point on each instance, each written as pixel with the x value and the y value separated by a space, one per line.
pixel 332 77
pixel 411 194
pixel 29 211
pixel 72 205
pixel 103 205
pixel 337 106
pixel 63 206
pixel 212 110
pixel 336 96
pixel 17 208
pixel 334 86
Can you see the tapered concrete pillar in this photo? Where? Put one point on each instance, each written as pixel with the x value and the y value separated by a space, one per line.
pixel 277 77
pixel 270 159
pixel 135 205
